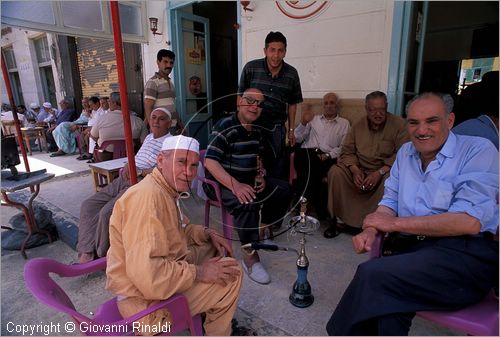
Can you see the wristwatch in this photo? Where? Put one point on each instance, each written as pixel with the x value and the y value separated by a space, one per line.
pixel 140 173
pixel 381 171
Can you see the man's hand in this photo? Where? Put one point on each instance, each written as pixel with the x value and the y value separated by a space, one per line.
pixel 371 181
pixel 217 270
pixel 358 176
pixel 219 242
pixel 245 193
pixel 381 221
pixel 363 241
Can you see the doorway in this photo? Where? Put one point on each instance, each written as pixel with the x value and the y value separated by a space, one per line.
pixel 206 75
pixel 432 40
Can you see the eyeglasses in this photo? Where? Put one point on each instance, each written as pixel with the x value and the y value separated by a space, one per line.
pixel 252 101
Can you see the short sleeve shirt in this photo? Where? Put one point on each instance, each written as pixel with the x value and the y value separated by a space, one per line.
pixel 279 91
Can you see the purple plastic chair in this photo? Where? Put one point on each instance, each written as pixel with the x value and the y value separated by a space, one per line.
pixel 46 291
pixel 227 219
pixel 479 319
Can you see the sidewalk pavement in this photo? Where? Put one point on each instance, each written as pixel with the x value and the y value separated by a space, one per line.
pixel 263 308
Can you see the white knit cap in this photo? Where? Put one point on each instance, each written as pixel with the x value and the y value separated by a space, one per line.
pixel 34 106
pixel 165 111
pixel 47 105
pixel 181 143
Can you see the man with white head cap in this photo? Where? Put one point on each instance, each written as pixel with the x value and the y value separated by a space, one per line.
pixel 32 113
pixel 93 228
pixel 155 252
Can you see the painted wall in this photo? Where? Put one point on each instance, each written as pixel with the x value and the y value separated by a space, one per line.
pixel 344 49
pixel 22 44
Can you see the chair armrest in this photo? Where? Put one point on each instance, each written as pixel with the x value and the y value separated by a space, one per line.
pixel 83 268
pixel 215 186
pixel 177 300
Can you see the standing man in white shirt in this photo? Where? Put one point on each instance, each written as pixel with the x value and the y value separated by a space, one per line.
pixel 321 137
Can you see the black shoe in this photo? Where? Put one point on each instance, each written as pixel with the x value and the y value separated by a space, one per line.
pixel 331 231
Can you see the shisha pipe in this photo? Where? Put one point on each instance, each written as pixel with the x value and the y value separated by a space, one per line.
pixel 301 295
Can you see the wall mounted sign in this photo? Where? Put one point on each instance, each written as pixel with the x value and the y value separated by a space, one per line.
pixel 301 10
pixel 193 55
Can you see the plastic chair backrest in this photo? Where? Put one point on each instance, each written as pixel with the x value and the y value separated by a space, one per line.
pixel 47 291
pixel 119 149
pixel 479 319
pixel 227 219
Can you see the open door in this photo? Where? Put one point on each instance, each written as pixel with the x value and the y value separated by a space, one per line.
pixel 192 73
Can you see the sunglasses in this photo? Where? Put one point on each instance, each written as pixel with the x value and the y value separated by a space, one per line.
pixel 252 101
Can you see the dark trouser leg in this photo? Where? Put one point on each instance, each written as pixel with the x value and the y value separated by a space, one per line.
pixel 90 213
pixel 276 196
pixel 448 273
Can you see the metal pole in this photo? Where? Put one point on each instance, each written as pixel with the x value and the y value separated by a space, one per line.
pixel 115 19
pixel 14 115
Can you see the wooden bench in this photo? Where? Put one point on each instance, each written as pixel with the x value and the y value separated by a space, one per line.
pixel 352 109
pixel 105 172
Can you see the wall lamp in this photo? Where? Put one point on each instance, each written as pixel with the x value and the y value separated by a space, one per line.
pixel 247 6
pixel 153 25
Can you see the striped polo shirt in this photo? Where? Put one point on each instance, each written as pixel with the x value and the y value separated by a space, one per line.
pixel 279 91
pixel 235 148
pixel 147 154
pixel 162 91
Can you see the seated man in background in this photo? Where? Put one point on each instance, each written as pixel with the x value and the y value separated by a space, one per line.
pixel 233 159
pixel 93 228
pixel 64 133
pixel 32 113
pixel 321 137
pixel 88 144
pixel 155 252
pixel 8 120
pixel 110 127
pixel 440 210
pixel 356 184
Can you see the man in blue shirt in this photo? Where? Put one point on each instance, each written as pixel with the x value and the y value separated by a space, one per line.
pixel 441 212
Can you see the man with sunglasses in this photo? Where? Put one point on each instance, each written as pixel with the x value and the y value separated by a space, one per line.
pixel 233 159
pixel 280 84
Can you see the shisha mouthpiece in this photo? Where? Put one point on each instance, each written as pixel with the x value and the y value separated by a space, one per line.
pixel 303 223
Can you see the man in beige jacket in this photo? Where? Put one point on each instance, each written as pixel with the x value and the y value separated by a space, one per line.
pixel 155 252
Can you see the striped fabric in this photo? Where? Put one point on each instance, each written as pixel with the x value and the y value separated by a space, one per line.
pixel 279 91
pixel 235 149
pixel 147 154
